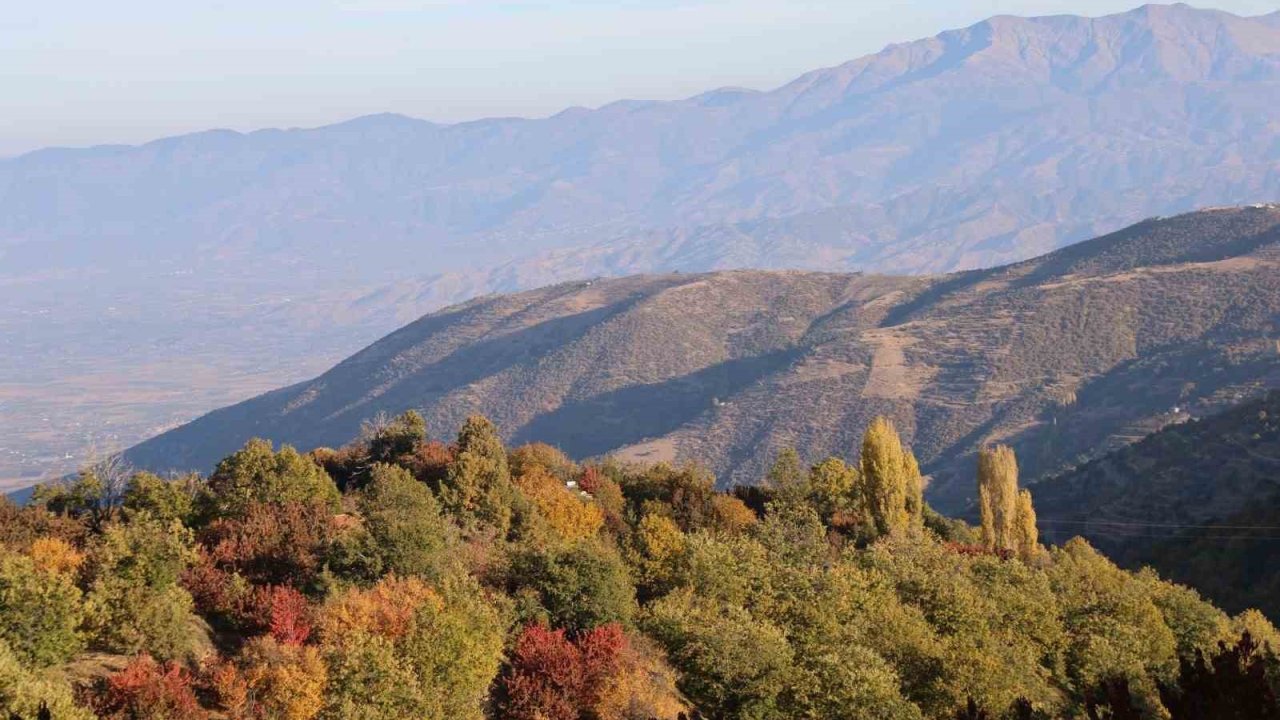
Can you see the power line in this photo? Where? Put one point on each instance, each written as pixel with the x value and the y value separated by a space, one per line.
pixel 1152 524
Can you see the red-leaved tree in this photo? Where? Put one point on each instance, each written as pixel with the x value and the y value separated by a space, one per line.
pixel 553 677
pixel 148 690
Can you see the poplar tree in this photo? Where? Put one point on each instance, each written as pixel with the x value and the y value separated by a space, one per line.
pixel 1008 517
pixel 998 496
pixel 891 479
pixel 1026 535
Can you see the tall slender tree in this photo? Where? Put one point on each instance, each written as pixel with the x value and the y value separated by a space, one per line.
pixel 891 479
pixel 1008 517
pixel 1026 536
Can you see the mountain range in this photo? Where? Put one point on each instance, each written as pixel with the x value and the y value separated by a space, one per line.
pixel 1064 356
pixel 141 285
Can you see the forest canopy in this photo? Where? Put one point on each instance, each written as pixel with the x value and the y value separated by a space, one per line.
pixel 402 576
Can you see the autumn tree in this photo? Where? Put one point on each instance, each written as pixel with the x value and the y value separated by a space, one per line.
pixel 569 515
pixel 406 649
pixel 1008 518
pixel 554 677
pixel 148 690
pixel 273 543
pixel 891 479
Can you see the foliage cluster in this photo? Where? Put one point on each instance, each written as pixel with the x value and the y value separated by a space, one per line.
pixel 400 577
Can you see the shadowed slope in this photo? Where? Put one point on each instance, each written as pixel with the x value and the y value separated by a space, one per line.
pixel 1069 354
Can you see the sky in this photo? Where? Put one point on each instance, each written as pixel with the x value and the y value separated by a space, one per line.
pixel 84 72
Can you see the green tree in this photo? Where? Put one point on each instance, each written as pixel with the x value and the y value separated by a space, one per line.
pixel 579 587
pixel 833 490
pixel 24 692
pixel 478 489
pixel 390 440
pixel 733 665
pixel 135 603
pixel 786 477
pixel 403 520
pixel 40 612
pixel 164 500
pixel 258 474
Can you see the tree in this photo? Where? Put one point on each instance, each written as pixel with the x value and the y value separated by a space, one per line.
pixel 580 586
pixel 786 477
pixel 553 677
pixel 283 681
pixel 998 496
pixel 273 543
pixel 30 694
pixel 655 551
pixel 135 604
pixel 258 474
pixel 389 440
pixel 94 495
pixel 834 492
pixel 891 479
pixel 1008 517
pixel 478 489
pixel 732 664
pixel 402 516
pixel 420 651
pixel 162 499
pixel 1231 685
pixel 40 612
pixel 148 690
pixel 569 515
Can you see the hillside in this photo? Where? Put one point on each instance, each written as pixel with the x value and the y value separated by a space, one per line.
pixel 1199 500
pixel 1065 355
pixel 291 248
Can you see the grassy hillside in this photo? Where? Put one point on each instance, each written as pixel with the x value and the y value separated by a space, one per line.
pixel 1199 500
pixel 1064 356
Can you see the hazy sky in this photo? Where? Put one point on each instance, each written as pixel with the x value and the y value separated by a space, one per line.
pixel 77 72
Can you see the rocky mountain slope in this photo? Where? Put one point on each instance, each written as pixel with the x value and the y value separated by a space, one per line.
pixel 1199 500
pixel 980 146
pixel 1068 354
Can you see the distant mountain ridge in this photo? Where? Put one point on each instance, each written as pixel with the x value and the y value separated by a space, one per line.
pixel 1063 356
pixel 980 146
